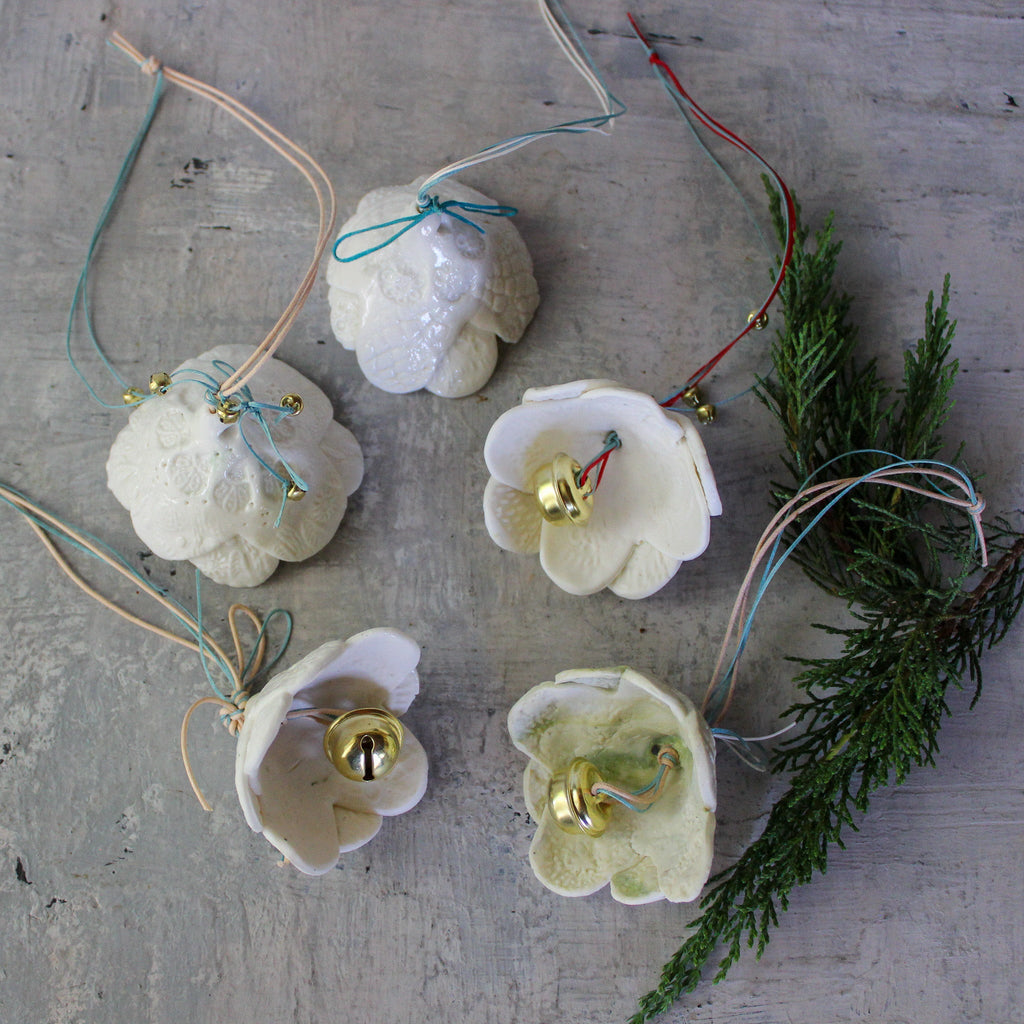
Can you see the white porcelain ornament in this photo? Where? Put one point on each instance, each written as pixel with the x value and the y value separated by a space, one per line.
pixel 289 790
pixel 196 489
pixel 614 719
pixel 425 310
pixel 651 512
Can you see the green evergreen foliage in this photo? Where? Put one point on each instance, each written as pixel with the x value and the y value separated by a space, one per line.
pixel 906 569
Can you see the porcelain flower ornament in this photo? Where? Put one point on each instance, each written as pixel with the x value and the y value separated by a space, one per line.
pixel 651 513
pixel 196 488
pixel 289 791
pixel 425 310
pixel 615 718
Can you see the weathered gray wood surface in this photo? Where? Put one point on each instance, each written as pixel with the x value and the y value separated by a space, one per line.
pixel 120 901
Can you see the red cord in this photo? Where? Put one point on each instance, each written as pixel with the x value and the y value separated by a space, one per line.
pixel 602 461
pixel 731 137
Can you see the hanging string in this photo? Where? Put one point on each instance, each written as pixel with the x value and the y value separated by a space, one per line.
pixel 428 203
pixel 691 109
pixel 239 674
pixel 822 497
pixel 569 42
pixel 292 153
pixel 749 749
pixel 611 442
pixel 242 407
pixel 641 800
pixel 434 205
pixel 81 295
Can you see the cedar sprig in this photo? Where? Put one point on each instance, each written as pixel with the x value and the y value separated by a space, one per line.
pixel 908 573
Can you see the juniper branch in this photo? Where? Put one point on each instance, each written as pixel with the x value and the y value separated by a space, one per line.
pixel 872 713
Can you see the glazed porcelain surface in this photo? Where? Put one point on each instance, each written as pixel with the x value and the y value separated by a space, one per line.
pixel 613 718
pixel 288 789
pixel 425 310
pixel 651 512
pixel 196 488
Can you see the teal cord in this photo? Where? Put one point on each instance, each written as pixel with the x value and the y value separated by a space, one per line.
pixel 81 295
pixel 775 560
pixel 431 207
pixel 60 530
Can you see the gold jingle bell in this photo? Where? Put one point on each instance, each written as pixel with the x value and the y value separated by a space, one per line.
pixel 572 801
pixel 159 383
pixel 759 322
pixel 561 498
pixel 293 403
pixel 705 410
pixel 227 411
pixel 692 397
pixel 364 744
pixel 131 396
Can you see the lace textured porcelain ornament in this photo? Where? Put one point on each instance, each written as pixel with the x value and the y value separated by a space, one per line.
pixel 614 718
pixel 289 791
pixel 196 490
pixel 654 506
pixel 425 310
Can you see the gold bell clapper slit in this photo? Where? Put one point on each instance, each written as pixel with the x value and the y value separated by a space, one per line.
pixel 364 744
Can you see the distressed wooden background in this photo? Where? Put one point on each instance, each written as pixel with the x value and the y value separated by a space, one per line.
pixel 120 900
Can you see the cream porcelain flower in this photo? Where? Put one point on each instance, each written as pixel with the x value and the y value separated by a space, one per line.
pixel 196 491
pixel 613 718
pixel 289 791
pixel 654 506
pixel 424 311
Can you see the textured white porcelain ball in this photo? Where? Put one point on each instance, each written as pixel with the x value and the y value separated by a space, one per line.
pixel 425 310
pixel 288 789
pixel 196 489
pixel 611 717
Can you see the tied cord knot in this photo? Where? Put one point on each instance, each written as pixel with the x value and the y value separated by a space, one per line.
pixel 150 66
pixel 426 206
pixel 977 508
pixel 243 675
pixel 241 405
pixel 233 720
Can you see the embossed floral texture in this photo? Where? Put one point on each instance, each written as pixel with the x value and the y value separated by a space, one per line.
pixel 614 718
pixel 196 491
pixel 425 310
pixel 288 789
pixel 651 512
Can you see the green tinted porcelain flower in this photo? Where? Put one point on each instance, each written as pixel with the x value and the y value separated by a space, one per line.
pixel 616 718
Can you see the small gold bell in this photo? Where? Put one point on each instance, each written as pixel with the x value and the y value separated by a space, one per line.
pixel 364 744
pixel 706 413
pixel 559 495
pixel 294 492
pixel 573 804
pixel 131 396
pixel 293 403
pixel 159 383
pixel 692 396
pixel 227 411
pixel 759 322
